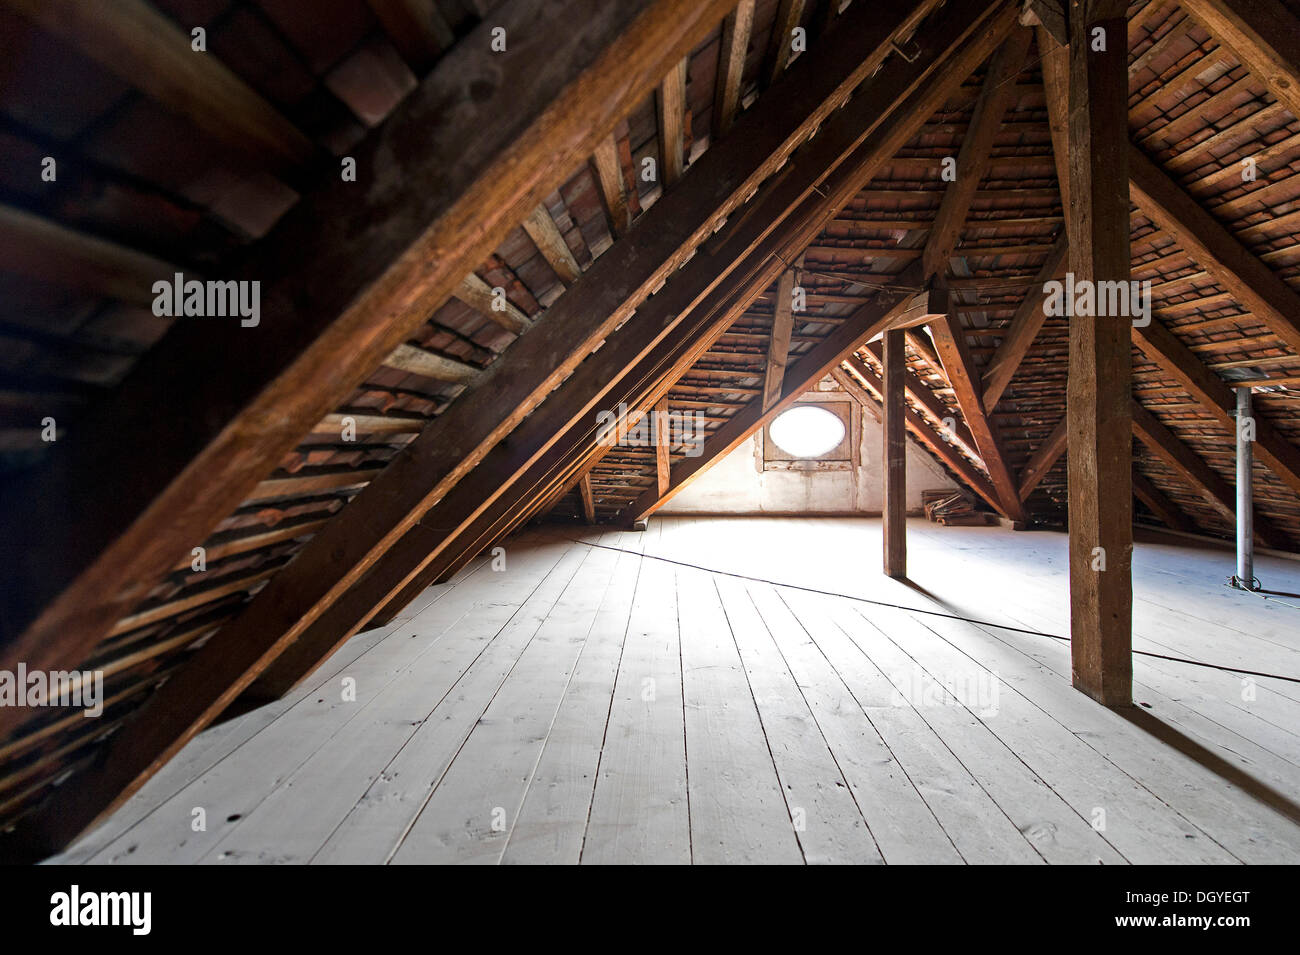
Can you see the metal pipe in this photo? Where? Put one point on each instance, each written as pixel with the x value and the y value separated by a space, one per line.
pixel 1245 516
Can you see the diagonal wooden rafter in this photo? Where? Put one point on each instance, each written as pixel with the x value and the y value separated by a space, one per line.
pixel 609 175
pixel 349 546
pixel 541 228
pixel 950 340
pixel 920 393
pixel 1165 509
pixel 1263 35
pixel 1179 362
pixel 671 105
pixel 1024 327
pixel 779 345
pixel 788 15
pixel 1042 460
pixel 1251 283
pixel 345 277
pixel 1185 462
pixel 976 151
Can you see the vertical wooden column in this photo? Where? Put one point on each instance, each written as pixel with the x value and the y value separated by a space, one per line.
pixel 1097 405
pixel 662 439
pixel 895 504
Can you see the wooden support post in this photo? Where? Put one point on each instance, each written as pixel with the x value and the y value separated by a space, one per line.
pixel 894 507
pixel 588 501
pixel 1097 409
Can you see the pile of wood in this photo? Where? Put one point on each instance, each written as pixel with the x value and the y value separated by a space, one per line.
pixel 951 507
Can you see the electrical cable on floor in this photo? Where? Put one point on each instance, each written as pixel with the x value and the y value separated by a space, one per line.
pixel 933 613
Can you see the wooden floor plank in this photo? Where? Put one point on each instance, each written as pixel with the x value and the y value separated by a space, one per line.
pixel 639 810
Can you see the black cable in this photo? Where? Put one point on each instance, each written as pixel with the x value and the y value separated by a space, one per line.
pixel 933 613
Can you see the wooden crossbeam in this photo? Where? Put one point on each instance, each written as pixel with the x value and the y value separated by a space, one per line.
pixel 788 15
pixel 1050 16
pixel 671 102
pixel 346 277
pixel 1191 467
pixel 1168 512
pixel 1252 284
pixel 417 361
pixel 1042 460
pixel 950 340
pixel 976 149
pixel 1179 362
pixel 894 453
pixel 1263 35
pixel 478 295
pixel 1098 388
pixel 463 436
pixel 417 28
pixel 1024 327
pixel 541 228
pixel 736 29
pixel 609 174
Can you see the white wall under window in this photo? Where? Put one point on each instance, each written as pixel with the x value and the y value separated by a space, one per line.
pixel 753 480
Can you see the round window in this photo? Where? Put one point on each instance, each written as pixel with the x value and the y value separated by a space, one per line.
pixel 807 431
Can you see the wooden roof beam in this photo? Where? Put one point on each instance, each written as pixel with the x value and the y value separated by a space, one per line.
pixel 1258 289
pixel 671 103
pixel 1179 362
pixel 1263 35
pixel 1042 460
pixel 976 149
pixel 736 29
pixel 950 339
pixel 1165 509
pixel 1189 465
pixel 541 228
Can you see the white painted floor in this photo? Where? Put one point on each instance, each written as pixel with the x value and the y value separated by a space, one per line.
pixel 591 704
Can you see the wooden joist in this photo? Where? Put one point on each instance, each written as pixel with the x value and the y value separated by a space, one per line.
pixel 736 29
pixel 671 103
pixel 541 228
pixel 478 295
pixel 609 175
pixel 1098 390
pixel 894 453
pixel 788 15
pixel 346 277
pixel 1179 362
pixel 140 46
pixel 417 361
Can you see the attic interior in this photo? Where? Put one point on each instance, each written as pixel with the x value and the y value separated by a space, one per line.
pixel 664 431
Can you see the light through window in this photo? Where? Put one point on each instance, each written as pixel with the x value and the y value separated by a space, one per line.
pixel 806 431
